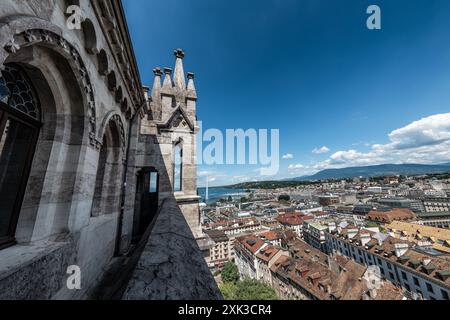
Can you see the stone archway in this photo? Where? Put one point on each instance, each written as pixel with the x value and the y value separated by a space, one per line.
pixel 55 189
pixel 31 31
pixel 109 170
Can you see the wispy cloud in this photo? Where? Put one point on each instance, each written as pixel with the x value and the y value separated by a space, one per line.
pixel 288 156
pixel 321 150
pixel 296 166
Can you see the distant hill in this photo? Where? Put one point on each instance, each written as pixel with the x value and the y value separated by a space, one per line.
pixel 377 171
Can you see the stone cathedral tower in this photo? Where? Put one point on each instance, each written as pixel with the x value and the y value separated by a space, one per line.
pixel 169 135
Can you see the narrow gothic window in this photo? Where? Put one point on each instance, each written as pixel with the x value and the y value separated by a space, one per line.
pixel 178 168
pixel 19 128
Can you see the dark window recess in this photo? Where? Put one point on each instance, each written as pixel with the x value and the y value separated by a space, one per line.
pixel 178 168
pixel 19 129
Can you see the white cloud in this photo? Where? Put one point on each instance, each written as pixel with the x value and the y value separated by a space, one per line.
pixel 423 141
pixel 321 150
pixel 425 132
pixel 296 166
pixel 288 156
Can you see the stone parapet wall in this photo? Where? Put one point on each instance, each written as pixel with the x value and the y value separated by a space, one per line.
pixel 171 266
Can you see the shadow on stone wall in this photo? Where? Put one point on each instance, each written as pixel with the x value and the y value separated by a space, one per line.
pixel 167 263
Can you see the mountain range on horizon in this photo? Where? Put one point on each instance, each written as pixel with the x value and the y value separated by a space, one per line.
pixel 376 171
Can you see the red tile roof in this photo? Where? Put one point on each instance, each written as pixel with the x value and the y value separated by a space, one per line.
pixel 294 219
pixel 251 243
pixel 271 235
pixel 267 253
pixel 392 215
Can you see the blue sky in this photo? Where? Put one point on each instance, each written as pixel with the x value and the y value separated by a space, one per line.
pixel 311 69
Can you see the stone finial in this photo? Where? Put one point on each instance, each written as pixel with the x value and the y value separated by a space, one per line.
pixel 179 53
pixel 168 78
pixel 190 86
pixel 146 90
pixel 157 71
pixel 157 81
pixel 178 77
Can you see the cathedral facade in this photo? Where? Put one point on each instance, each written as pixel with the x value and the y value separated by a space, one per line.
pixel 92 163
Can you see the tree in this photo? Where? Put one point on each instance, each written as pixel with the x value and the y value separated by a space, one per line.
pixel 284 197
pixel 230 199
pixel 249 290
pixel 230 272
pixel 228 290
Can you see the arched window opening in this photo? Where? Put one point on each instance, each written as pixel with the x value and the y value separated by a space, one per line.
pixel 178 168
pixel 19 128
pixel 17 92
pixel 108 180
pixel 99 181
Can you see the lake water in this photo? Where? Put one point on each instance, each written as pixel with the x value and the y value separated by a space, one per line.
pixel 220 193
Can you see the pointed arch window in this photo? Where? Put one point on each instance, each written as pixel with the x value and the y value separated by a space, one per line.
pixel 17 92
pixel 19 128
pixel 178 167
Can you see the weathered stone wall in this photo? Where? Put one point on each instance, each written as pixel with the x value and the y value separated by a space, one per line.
pixel 89 91
pixel 37 266
pixel 171 266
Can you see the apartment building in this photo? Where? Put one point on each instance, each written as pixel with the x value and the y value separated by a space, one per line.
pixel 293 221
pixel 435 219
pixel 311 275
pixel 236 227
pixel 265 259
pixel 314 234
pixel 419 271
pixel 222 249
pixel 246 248
pixel 436 204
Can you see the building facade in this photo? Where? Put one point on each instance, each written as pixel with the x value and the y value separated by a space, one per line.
pixel 222 251
pixel 420 273
pixel 314 234
pixel 435 219
pixel 72 109
pixel 436 204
